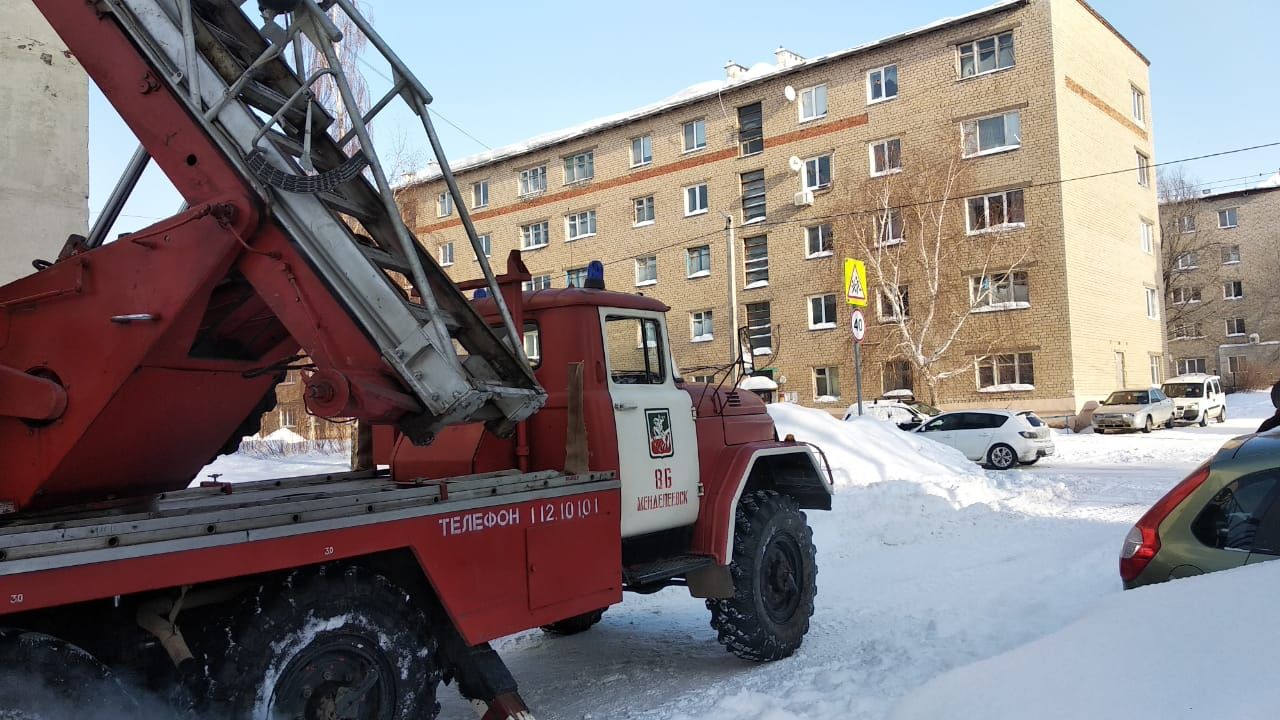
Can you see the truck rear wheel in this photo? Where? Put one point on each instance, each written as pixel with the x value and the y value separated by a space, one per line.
pixel 774 572
pixel 570 626
pixel 328 643
pixel 50 679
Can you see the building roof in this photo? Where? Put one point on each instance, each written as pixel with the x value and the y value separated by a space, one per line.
pixel 1270 184
pixel 694 93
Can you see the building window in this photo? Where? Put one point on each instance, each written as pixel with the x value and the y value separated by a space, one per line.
pixel 533 180
pixel 999 372
pixel 1139 106
pixel 1187 331
pixel 1157 369
pixel 641 150
pixel 700 325
pixel 759 328
pixel 893 303
pixel 1230 254
pixel 646 270
pixel 533 235
pixel 882 84
pixel 537 282
pixel 1153 304
pixel 755 260
pixel 1144 170
pixel 446 254
pixel 695 200
pixel 580 225
pixel 1187 366
pixel 885 156
pixel 818 241
pixel 480 194
pixel 1187 224
pixel 996 211
pixel 444 205
pixel 575 277
pixel 896 375
pixel 1187 261
pixel 826 384
pixel 1148 236
pixel 704 379
pixel 695 135
pixel 993 134
pixel 486 244
pixel 579 167
pixel 822 312
pixel 1233 290
pixel 533 346
pixel 287 418
pixel 750 129
pixel 1000 291
pixel 986 55
pixel 1235 326
pixel 644 211
pixel 1235 365
pixel 1184 295
pixel 1227 218
pixel 813 103
pixel 697 261
pixel 889 227
pixel 817 173
pixel 753 195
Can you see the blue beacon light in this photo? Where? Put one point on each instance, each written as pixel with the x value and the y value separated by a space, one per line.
pixel 595 276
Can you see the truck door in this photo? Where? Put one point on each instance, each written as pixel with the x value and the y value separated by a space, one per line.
pixel 657 447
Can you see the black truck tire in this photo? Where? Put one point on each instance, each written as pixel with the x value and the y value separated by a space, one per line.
pixel 774 571
pixel 50 679
pixel 329 642
pixel 574 625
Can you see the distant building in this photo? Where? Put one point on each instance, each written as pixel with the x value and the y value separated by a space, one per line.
pixel 44 141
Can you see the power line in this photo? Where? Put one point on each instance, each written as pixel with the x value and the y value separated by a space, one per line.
pixel 431 110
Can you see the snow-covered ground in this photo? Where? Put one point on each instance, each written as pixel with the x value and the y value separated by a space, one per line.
pixel 926 564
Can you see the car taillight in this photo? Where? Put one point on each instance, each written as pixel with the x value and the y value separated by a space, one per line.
pixel 1029 434
pixel 1143 541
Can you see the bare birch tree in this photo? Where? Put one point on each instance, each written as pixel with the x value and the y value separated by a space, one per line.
pixel 1189 255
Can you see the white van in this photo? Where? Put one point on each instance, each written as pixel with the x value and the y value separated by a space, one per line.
pixel 1197 397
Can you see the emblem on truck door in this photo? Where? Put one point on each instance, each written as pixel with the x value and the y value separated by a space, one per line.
pixel 661 441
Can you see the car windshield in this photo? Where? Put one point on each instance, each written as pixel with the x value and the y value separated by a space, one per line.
pixel 1128 397
pixel 1184 390
pixel 925 409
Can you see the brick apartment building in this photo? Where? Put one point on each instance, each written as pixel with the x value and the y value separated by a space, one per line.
pixel 1223 290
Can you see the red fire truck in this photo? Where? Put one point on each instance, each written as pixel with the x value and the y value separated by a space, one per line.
pixel 519 490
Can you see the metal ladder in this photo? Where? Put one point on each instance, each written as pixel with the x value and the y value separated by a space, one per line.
pixel 238 83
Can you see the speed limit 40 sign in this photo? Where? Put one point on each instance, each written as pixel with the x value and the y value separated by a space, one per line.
pixel 859 325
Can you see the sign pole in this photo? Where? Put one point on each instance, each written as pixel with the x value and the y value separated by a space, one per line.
pixel 855 293
pixel 857 373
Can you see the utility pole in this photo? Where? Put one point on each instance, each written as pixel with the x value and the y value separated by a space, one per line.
pixel 732 272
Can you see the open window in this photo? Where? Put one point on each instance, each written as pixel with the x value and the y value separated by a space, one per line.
pixel 635 353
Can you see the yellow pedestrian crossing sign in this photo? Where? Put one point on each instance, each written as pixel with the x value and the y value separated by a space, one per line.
pixel 855 282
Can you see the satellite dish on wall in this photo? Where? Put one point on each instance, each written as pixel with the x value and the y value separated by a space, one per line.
pixel 790 93
pixel 795 164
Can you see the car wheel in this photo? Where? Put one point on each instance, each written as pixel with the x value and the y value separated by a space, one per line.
pixel 1001 457
pixel 1147 425
pixel 1222 414
pixel 1169 423
pixel 1204 418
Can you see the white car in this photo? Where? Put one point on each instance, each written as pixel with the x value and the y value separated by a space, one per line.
pixel 1196 398
pixel 998 438
pixel 1133 410
pixel 906 415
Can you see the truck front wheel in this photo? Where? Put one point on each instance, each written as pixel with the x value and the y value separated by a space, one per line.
pixel 774 573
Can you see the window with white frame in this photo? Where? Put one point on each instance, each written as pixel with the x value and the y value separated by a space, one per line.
pixel 992 134
pixel 534 235
pixel 480 194
pixel 1153 303
pixel 1000 291
pixel 894 303
pixel 1187 331
pixel 755 260
pixel 695 135
pixel 1184 295
pixel 1139 105
pixel 533 346
pixel 1148 236
pixel 1007 371
pixel 759 328
pixel 704 379
pixel 643 211
pixel 287 417
pixel 695 199
pixel 444 205
pixel 697 261
pixel 817 173
pixel 575 277
pixel 1227 218
pixel 1235 326
pixel 889 227
pixel 986 55
pixel 996 211
pixel 1187 224
pixel 646 270
pixel 753 196
pixel 1189 260
pixel 580 225
pixel 1230 254
pixel 813 103
pixel 533 180
pixel 885 156
pixel 822 312
pixel 1235 364
pixel 1233 290
pixel 1144 169
pixel 486 244
pixel 579 167
pixel 1188 366
pixel 818 241
pixel 446 254
pixel 882 83
pixel 826 384
pixel 1157 369
pixel 641 150
pixel 700 325
pixel 537 282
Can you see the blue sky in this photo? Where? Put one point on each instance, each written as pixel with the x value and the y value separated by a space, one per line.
pixel 506 71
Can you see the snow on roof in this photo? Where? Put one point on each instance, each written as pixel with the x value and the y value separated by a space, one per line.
pixel 687 96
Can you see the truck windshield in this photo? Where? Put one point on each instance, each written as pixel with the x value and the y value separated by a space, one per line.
pixel 1128 397
pixel 1184 390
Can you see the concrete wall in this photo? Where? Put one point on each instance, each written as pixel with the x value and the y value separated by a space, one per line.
pixel 44 141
